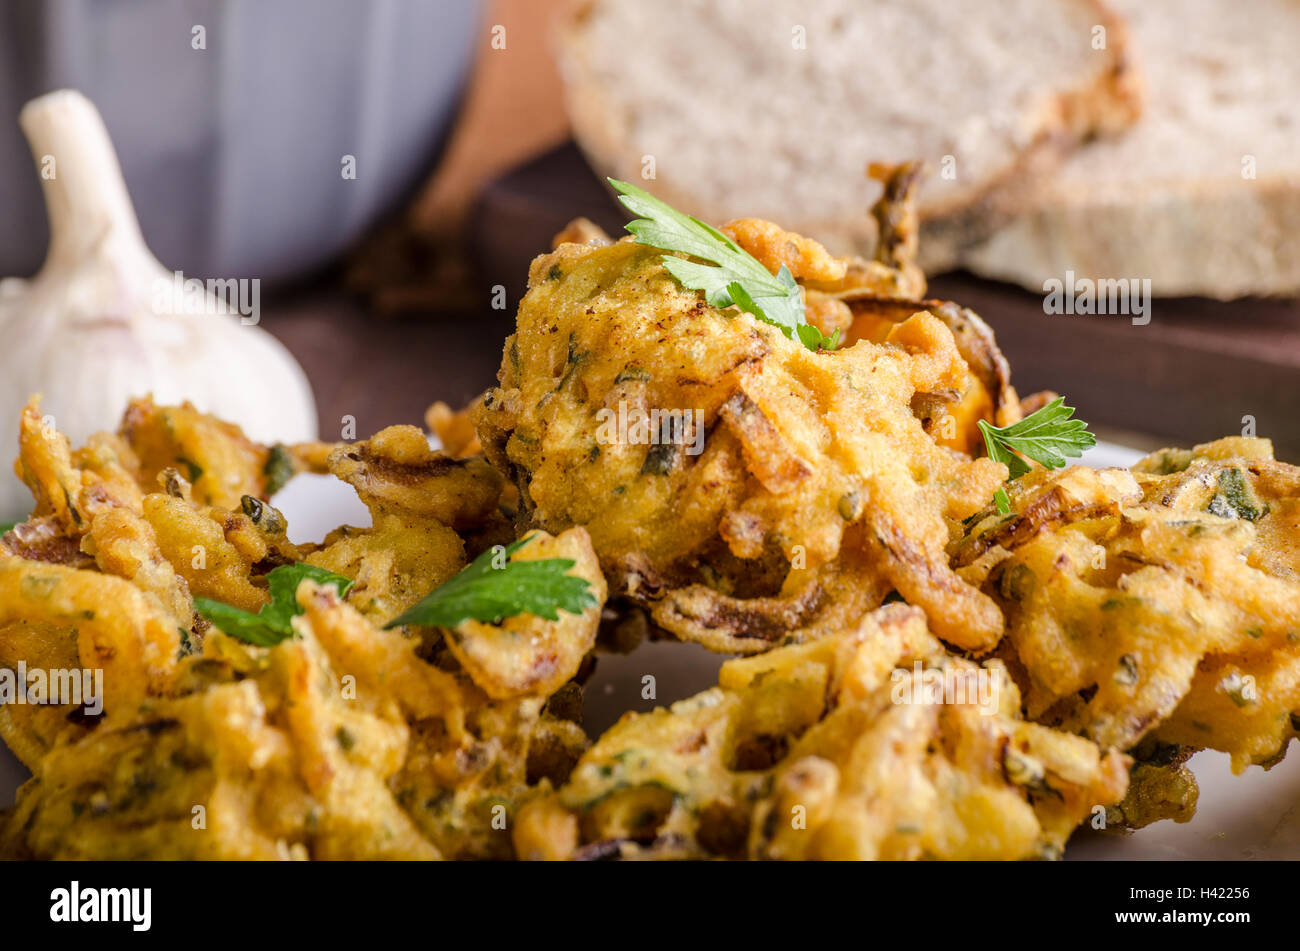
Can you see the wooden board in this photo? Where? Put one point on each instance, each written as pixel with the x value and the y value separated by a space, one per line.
pixel 1194 373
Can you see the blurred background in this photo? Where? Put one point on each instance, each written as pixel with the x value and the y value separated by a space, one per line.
pixel 230 144
pixel 382 285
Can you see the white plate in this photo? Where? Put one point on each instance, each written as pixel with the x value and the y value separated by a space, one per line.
pixel 1254 815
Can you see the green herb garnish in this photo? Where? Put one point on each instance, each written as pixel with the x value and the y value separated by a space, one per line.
pixel 270 625
pixel 1047 436
pixel 192 469
pixel 1233 500
pixel 731 276
pixel 7 527
pixel 278 469
pixel 494 587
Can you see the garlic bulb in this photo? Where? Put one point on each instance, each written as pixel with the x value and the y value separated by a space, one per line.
pixel 101 322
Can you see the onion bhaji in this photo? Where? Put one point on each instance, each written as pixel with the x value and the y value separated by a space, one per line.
pixel 874 742
pixel 1161 602
pixel 347 740
pixel 799 489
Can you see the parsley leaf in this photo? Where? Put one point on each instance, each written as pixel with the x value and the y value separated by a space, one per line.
pixel 1234 498
pixel 1003 503
pixel 270 625
pixel 278 469
pixel 731 276
pixel 1047 436
pixel 485 592
pixel 7 527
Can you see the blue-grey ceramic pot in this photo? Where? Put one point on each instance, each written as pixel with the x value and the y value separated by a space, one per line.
pixel 234 152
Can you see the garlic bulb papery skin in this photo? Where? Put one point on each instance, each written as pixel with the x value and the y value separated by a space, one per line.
pixel 85 331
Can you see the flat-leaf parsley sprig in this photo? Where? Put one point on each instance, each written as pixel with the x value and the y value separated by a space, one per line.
pixel 271 624
pixel 731 276
pixel 490 589
pixel 1047 436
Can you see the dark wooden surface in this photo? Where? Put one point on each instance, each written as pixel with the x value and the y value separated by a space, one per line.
pixel 1193 374
pixel 1188 376
pixel 385 370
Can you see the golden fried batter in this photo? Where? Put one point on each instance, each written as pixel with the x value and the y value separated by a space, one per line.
pixel 220 462
pixel 832 749
pixel 297 751
pixel 797 451
pixel 454 429
pixel 344 741
pixel 526 654
pixel 1165 601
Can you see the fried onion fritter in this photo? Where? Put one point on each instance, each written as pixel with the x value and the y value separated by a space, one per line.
pixel 345 741
pixel 1159 602
pixel 1160 786
pixel 268 753
pixel 780 454
pixel 873 743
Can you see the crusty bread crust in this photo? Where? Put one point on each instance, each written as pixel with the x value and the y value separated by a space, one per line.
pixel 1216 239
pixel 1168 203
pixel 1106 101
pixel 1108 106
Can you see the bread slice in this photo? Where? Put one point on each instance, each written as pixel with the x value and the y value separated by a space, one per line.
pixel 1170 200
pixel 774 109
